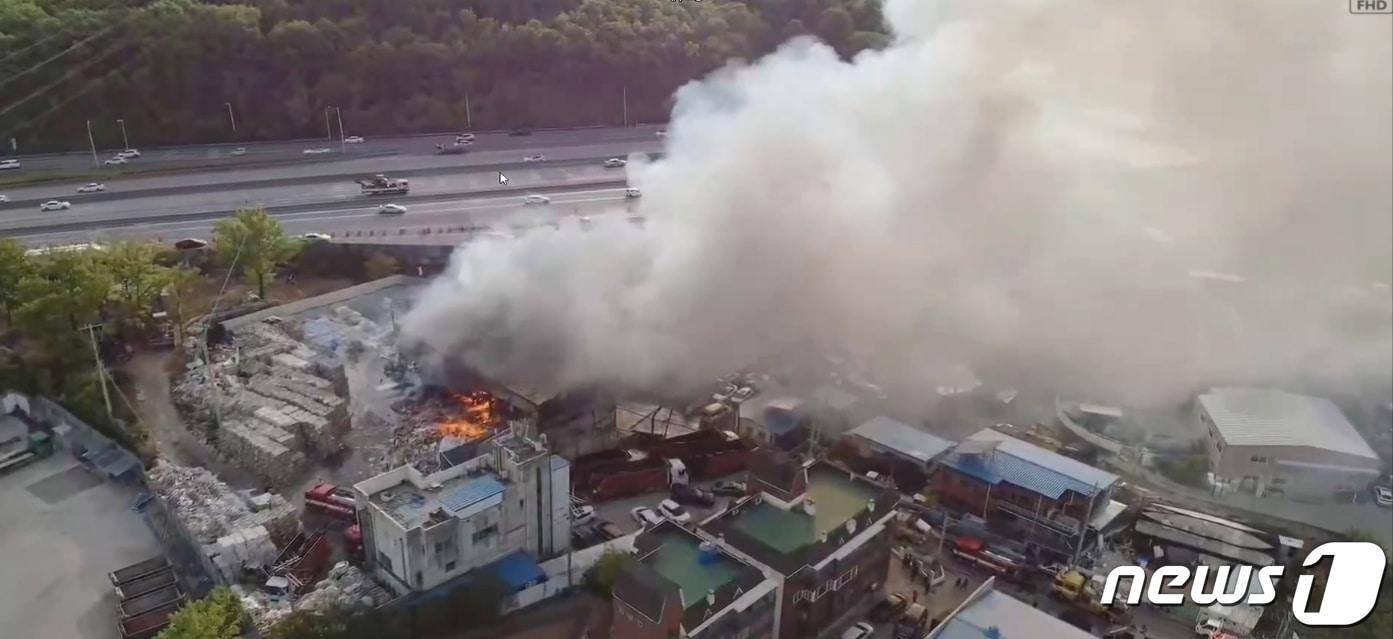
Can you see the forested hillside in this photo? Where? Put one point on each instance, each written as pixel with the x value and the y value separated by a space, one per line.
pixel 169 68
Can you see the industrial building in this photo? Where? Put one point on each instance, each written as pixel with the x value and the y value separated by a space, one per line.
pixel 892 448
pixel 682 583
pixel 776 421
pixel 1265 441
pixel 421 531
pixel 1048 501
pixel 820 530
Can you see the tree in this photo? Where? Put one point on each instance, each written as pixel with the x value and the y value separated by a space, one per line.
pixel 14 266
pixel 380 265
pixel 181 285
pixel 599 579
pixel 252 243
pixel 61 293
pixel 217 616
pixel 136 278
pixel 307 624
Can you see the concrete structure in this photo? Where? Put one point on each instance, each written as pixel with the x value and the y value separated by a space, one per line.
pixel 988 613
pixel 774 420
pixel 902 452
pixel 820 531
pixel 682 582
pixel 1041 498
pixel 421 531
pixel 1266 441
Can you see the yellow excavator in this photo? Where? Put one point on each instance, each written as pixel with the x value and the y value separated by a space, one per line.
pixel 1074 588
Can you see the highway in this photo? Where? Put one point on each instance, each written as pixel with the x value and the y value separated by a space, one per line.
pixel 356 218
pixel 260 152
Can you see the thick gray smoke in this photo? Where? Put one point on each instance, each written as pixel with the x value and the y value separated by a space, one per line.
pixel 1019 188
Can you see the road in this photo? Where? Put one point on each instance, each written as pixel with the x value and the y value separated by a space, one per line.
pixel 256 152
pixel 355 219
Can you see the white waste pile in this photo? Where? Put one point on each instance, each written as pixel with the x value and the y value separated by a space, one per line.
pixel 345 588
pixel 275 399
pixel 210 509
pixel 236 553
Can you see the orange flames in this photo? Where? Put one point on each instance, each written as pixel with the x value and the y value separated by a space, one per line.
pixel 475 419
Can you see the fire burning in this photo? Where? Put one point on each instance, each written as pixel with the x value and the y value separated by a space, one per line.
pixel 475 419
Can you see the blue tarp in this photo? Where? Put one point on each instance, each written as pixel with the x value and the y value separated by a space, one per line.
pixel 518 571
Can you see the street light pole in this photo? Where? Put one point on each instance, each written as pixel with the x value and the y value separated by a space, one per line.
pixel 626 106
pixel 92 142
pixel 343 143
pixel 328 129
pixel 231 119
pixel 468 121
pixel 124 140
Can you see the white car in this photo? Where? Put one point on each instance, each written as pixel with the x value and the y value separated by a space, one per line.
pixel 391 209
pixel 120 159
pixel 55 205
pixel 614 163
pixel 239 151
pixel 585 222
pixel 662 133
pixel 645 516
pixel 632 193
pixel 319 151
pixel 1383 496
pixel 129 154
pixel 4 198
pixel 316 237
pixel 861 630
pixel 353 139
pixel 9 164
pixel 536 199
pixel 464 138
pixel 535 158
pixel 581 513
pixel 674 511
pixel 91 187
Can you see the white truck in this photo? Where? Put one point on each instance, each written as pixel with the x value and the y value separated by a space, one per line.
pixel 1237 621
pixel 382 185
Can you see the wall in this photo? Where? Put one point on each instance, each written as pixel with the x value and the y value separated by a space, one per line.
pixel 1235 462
pixel 815 599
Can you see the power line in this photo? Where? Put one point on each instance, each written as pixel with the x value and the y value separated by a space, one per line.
pixel 75 45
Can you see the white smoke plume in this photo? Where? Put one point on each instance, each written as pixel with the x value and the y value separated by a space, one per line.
pixel 1019 188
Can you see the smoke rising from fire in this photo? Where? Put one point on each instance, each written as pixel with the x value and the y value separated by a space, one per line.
pixel 1018 188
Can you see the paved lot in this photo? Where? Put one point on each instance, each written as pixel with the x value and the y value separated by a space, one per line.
pixel 61 530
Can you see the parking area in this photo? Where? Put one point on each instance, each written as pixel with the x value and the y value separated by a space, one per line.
pixel 619 511
pixel 62 530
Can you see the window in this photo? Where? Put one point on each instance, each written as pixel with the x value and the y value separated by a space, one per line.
pixel 1259 459
pixel 442 547
pixel 450 566
pixel 383 559
pixel 484 534
pixel 1278 481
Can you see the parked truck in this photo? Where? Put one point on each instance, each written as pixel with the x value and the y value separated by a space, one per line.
pixel 137 570
pixel 37 445
pixel 136 606
pixel 149 583
pixel 332 501
pixel 382 185
pixel 1075 589
pixel 999 561
pixel 1237 621
pixel 643 477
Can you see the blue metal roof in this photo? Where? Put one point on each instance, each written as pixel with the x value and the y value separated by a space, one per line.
pixel 902 438
pixel 518 571
pixel 1030 467
pixel 470 492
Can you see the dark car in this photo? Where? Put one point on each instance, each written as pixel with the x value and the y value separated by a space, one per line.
pixel 521 131
pixel 888 608
pixel 584 537
pixel 608 530
pixel 729 488
pixel 684 494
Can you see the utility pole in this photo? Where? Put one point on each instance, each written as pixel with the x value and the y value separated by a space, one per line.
pixel 328 130
pixel 92 142
pixel 101 370
pixel 231 119
pixel 626 106
pixel 468 121
pixel 124 140
pixel 1078 549
pixel 343 144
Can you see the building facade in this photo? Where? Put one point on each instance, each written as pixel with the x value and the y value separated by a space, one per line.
pixel 421 531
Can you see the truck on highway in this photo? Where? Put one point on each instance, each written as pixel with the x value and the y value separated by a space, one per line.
pixel 136 606
pixel 382 185
pixel 137 570
pixel 149 583
pixel 332 501
pixel 455 148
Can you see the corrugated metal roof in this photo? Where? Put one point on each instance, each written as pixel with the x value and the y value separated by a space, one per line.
pixel 1029 466
pixel 468 493
pixel 998 615
pixel 1271 417
pixel 902 438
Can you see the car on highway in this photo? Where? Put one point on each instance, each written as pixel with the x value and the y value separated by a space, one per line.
pixel 4 198
pixel 190 243
pixel 464 138
pixel 9 164
pixel 129 154
pixel 239 151
pixel 316 237
pixel 632 193
pixel 55 205
pixel 645 516
pixel 861 630
pixel 391 209
pixel 319 151
pixel 535 158
pixel 91 187
pixel 674 511
pixel 536 199
pixel 614 163
pixel 662 133
pixel 354 139
pixel 585 222
pixel 120 159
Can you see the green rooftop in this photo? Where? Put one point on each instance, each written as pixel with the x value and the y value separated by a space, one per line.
pixel 678 560
pixel 836 498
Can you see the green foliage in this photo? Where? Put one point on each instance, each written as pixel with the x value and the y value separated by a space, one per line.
pixel 253 243
pixel 305 624
pixel 1189 470
pixel 13 268
pixel 380 265
pixel 137 279
pixel 217 616
pixel 168 67
pixel 60 293
pixel 599 579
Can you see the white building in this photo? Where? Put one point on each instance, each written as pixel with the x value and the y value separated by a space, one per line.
pixel 420 531
pixel 1265 440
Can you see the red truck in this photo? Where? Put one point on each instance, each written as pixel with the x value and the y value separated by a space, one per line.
pixel 331 501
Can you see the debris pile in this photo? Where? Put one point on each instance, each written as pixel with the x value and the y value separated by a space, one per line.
pixel 211 510
pixel 275 399
pixel 345 588
pixel 235 554
pixel 423 429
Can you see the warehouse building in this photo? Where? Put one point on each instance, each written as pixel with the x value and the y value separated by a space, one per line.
pixel 1267 441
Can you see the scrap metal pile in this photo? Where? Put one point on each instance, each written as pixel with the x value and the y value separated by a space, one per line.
pixel 346 588
pixel 427 427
